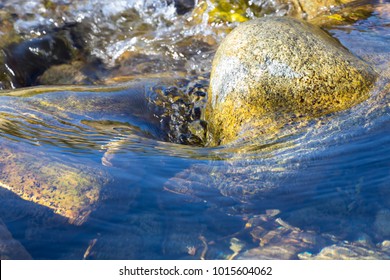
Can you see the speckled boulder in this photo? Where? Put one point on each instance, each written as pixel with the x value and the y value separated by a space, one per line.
pixel 70 190
pixel 272 70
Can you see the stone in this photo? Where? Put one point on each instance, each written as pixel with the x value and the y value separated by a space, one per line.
pixel 215 11
pixel 385 246
pixel 310 9
pixel 278 240
pixel 270 71
pixel 30 58
pixel 70 190
pixel 63 74
pixel 344 15
pixel 184 6
pixel 285 252
pixel 345 251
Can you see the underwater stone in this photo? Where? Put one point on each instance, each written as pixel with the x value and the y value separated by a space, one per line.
pixel 344 251
pixel 70 190
pixel 271 70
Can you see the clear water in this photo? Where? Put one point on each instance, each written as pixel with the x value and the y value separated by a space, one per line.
pixel 329 178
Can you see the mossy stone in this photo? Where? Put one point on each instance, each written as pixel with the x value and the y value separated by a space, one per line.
pixel 271 70
pixel 70 190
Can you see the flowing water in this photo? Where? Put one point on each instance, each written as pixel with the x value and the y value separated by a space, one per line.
pixel 318 184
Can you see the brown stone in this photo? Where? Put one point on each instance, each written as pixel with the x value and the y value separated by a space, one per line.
pixel 271 70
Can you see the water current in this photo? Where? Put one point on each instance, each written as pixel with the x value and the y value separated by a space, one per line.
pixel 323 183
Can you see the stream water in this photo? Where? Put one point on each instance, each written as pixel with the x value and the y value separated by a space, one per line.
pixel 323 183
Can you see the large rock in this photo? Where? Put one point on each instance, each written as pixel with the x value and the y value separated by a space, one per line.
pixel 70 190
pixel 270 71
pixel 311 8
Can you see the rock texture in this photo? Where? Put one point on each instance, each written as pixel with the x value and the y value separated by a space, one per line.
pixel 346 252
pixel 272 70
pixel 71 190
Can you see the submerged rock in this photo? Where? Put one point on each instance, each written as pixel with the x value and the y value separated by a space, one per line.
pixel 344 251
pixel 71 190
pixel 271 70
pixel 280 240
pixel 342 16
pixel 277 239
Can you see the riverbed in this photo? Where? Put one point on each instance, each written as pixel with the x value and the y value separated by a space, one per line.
pixel 163 194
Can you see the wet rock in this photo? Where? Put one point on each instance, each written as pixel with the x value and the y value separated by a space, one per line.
pixel 252 182
pixel 239 11
pixel 341 16
pixel 11 249
pixel 71 190
pixel 184 6
pixel 27 60
pixel 64 74
pixel 309 8
pixel 344 251
pixel 8 36
pixel 385 246
pixel 243 10
pixel 286 252
pixel 278 239
pixel 271 70
pixel 31 61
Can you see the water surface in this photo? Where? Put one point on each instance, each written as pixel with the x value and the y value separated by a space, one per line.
pixel 327 180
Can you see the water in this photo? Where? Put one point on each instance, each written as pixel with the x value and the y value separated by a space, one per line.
pixel 321 183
